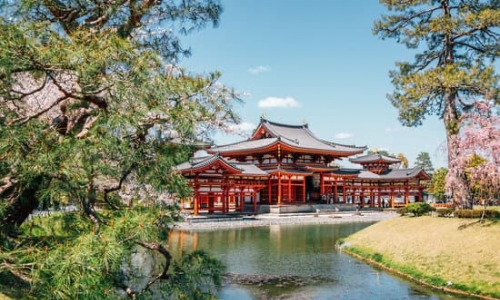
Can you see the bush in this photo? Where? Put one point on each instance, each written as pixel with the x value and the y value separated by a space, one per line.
pixel 444 212
pixel 419 208
pixel 476 213
pixel 402 211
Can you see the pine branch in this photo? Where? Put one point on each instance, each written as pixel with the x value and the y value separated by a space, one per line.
pixel 119 186
pixel 160 249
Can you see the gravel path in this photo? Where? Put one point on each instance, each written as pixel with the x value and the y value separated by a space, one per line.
pixel 268 219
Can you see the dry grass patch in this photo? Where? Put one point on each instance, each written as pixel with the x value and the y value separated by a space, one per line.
pixel 457 250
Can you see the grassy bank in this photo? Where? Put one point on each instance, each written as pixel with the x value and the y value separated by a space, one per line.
pixel 454 253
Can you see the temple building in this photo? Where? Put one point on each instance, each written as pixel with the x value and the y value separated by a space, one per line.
pixel 287 164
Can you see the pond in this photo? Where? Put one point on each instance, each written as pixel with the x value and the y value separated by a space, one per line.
pixel 296 262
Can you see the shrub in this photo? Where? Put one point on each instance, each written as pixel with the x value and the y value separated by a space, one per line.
pixel 402 211
pixel 419 208
pixel 444 212
pixel 476 213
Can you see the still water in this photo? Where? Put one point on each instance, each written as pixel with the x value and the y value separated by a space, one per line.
pixel 296 262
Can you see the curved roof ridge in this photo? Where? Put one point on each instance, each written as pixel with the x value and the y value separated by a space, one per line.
pixel 344 145
pixel 240 142
pixel 305 125
pixel 375 157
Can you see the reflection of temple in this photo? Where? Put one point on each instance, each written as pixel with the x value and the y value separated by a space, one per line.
pixel 287 164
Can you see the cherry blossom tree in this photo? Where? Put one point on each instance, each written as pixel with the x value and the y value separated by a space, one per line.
pixel 479 148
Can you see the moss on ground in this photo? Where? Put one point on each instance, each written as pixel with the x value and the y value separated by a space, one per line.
pixel 446 252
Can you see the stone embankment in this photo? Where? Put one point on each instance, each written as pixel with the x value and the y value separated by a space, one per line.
pixel 214 222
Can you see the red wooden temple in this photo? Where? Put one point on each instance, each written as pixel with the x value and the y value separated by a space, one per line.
pixel 287 164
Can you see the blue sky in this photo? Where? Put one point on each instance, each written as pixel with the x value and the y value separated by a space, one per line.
pixel 316 61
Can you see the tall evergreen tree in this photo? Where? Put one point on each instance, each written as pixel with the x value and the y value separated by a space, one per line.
pixel 456 43
pixel 90 99
pixel 424 161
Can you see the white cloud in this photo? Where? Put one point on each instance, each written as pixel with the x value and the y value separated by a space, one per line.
pixel 243 128
pixel 343 135
pixel 259 69
pixel 285 102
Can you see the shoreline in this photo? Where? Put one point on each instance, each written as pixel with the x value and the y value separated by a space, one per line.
pixel 431 252
pixel 268 219
pixel 347 250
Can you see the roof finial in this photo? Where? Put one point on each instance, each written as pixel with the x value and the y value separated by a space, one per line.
pixel 304 121
pixel 264 116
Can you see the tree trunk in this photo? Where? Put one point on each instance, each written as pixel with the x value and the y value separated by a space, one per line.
pixel 460 189
pixel 20 203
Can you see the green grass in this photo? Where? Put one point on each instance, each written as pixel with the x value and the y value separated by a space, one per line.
pixel 436 251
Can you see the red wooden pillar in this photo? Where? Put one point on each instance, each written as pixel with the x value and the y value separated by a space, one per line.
pixel 254 199
pixel 407 195
pixel 420 195
pixel 392 197
pixel 379 197
pixel 242 200
pixel 304 189
pixel 279 188
pixel 335 192
pixel 362 198
pixel 344 189
pixel 210 203
pixel 322 185
pixel 195 202
pixel 269 192
pixel 289 188
pixel 196 195
pixel 224 199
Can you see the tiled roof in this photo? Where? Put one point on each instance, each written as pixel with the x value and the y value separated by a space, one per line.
pixel 250 169
pixel 200 162
pixel 375 157
pixel 301 136
pixel 244 145
pixel 390 174
pixel 297 136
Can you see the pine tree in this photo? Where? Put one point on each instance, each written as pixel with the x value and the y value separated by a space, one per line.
pixel 424 161
pixel 456 43
pixel 90 99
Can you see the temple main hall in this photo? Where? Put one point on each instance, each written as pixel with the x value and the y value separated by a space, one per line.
pixel 283 164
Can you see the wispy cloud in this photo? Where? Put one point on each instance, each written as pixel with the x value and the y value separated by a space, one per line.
pixel 343 135
pixel 278 102
pixel 243 128
pixel 259 69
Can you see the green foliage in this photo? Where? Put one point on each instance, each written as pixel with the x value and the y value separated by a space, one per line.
pixel 455 45
pixel 90 100
pixel 68 261
pixel 194 270
pixel 402 211
pixel 455 42
pixel 419 208
pixel 476 213
pixel 444 212
pixel 438 184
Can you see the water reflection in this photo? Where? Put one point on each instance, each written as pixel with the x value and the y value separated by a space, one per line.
pixel 295 262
